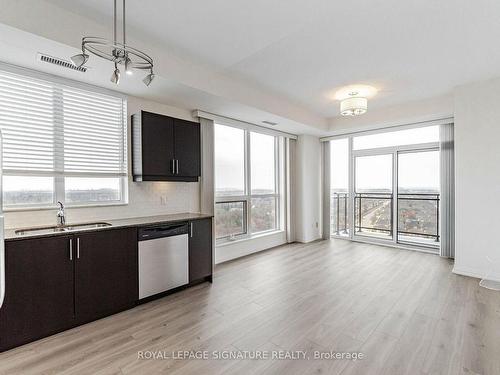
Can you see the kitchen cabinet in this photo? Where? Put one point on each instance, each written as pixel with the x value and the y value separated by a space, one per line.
pixel 64 280
pixel 200 250
pixel 55 283
pixel 157 135
pixel 105 273
pixel 39 290
pixel 187 148
pixel 165 148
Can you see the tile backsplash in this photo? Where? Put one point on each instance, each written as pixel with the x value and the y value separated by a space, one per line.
pixel 145 199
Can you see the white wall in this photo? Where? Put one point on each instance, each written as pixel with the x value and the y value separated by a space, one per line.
pixel 477 174
pixel 144 197
pixel 237 249
pixel 308 189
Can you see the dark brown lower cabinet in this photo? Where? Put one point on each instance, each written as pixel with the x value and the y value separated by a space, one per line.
pixel 39 290
pixel 55 283
pixel 200 249
pixel 105 273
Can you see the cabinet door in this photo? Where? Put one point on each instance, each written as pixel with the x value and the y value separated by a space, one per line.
pixel 105 273
pixel 157 145
pixel 200 249
pixel 39 290
pixel 187 148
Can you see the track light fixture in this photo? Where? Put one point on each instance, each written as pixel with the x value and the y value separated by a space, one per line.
pixel 115 77
pixel 149 78
pixel 80 59
pixel 116 52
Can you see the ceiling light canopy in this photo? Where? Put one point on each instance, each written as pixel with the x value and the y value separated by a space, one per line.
pixel 116 52
pixel 364 91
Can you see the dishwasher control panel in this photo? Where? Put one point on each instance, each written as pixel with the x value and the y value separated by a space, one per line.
pixel 166 230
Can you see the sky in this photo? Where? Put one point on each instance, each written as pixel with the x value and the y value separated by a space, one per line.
pixel 230 159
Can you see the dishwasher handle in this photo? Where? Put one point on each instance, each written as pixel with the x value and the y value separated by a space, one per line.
pixel 159 231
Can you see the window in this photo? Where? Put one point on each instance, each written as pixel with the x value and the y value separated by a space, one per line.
pixel 229 161
pixel 385 188
pixel 339 187
pixel 263 182
pixel 426 134
pixel 418 197
pixel 230 219
pixel 60 143
pixel 373 195
pixel 246 182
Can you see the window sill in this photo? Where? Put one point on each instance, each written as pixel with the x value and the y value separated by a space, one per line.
pixel 227 242
pixel 54 207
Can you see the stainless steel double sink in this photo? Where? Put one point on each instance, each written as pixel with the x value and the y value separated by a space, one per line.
pixel 58 229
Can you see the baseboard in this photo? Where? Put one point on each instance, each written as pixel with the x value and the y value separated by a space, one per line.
pixel 476 273
pixel 302 240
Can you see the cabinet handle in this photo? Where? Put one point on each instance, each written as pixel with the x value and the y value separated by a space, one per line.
pixel 173 166
pixel 177 166
pixel 71 249
pixel 191 230
pixel 78 248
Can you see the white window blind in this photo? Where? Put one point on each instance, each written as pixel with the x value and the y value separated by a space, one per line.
pixel 52 129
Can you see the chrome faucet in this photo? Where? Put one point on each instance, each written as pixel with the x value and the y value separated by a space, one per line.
pixel 61 216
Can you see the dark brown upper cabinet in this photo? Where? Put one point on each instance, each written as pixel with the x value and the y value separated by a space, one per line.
pixel 165 148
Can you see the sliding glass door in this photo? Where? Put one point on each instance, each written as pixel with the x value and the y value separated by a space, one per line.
pixel 384 187
pixel 412 215
pixel 418 197
pixel 373 195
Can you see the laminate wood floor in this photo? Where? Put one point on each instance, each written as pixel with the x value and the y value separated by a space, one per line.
pixel 405 311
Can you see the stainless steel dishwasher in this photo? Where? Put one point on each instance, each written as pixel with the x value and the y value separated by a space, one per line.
pixel 163 258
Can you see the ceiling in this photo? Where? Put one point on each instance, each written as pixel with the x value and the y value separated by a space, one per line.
pixel 21 49
pixel 306 50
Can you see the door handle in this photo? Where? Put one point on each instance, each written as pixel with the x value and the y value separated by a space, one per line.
pixel 176 166
pixel 78 248
pixel 191 231
pixel 71 249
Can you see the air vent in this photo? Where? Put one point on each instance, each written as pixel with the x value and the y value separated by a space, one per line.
pixel 60 62
pixel 270 123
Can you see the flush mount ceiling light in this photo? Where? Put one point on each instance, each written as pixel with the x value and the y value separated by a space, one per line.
pixel 354 99
pixel 354 105
pixel 116 52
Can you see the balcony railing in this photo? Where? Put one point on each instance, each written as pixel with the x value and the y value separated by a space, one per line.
pixel 339 218
pixel 418 216
pixel 373 213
